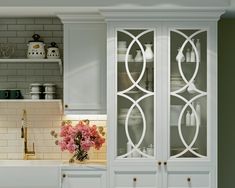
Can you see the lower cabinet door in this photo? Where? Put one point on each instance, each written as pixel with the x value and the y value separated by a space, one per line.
pixel 84 179
pixel 130 179
pixel 188 180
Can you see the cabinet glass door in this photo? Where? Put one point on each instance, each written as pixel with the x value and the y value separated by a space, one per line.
pixel 188 93
pixel 135 93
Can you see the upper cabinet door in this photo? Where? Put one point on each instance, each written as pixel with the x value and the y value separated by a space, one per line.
pixel 188 96
pixel 85 68
pixel 133 91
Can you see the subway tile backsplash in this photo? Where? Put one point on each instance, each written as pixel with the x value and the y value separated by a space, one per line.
pixel 17 32
pixel 42 118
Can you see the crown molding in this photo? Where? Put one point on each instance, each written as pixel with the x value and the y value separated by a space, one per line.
pixel 212 14
pixel 89 17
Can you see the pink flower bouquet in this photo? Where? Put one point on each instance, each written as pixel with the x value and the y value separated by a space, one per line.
pixel 79 139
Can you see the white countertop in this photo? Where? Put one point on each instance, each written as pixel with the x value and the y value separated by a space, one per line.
pixel 88 165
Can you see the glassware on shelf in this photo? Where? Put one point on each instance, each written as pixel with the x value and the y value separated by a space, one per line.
pixel 188 55
pixel 180 56
pixel 198 46
pixel 6 50
pixel 192 56
pixel 188 117
pixel 148 52
pixel 198 111
pixel 138 57
pixel 192 119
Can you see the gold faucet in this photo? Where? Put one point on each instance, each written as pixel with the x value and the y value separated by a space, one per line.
pixel 24 134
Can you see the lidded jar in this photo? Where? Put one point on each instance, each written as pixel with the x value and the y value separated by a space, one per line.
pixel 36 48
pixel 53 51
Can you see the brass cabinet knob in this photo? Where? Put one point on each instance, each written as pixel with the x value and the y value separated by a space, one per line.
pixel 64 175
pixel 159 163
pixel 66 106
pixel 165 163
pixel 188 179
pixel 134 179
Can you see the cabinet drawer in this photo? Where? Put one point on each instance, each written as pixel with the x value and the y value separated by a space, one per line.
pixel 135 179
pixel 190 179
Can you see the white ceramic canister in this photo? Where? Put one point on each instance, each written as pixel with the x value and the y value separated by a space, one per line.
pixel 148 52
pixel 49 87
pixel 35 95
pixel 36 48
pixel 53 51
pixel 49 95
pixel 35 87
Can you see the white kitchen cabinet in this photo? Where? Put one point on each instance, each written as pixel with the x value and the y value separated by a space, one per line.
pixel 25 175
pixel 83 178
pixel 162 97
pixel 134 176
pixel 84 65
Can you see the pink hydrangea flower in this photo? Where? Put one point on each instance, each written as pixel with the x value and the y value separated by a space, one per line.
pixel 79 138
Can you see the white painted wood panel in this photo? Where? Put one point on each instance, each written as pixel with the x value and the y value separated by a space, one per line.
pixel 135 179
pixel 84 68
pixel 88 179
pixel 30 176
pixel 189 179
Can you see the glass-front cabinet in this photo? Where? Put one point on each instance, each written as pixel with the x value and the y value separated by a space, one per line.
pixel 188 93
pixel 157 77
pixel 162 92
pixel 135 93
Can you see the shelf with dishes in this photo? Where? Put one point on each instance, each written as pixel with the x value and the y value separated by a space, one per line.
pixel 37 91
pixel 189 118
pixel 139 57
pixel 36 53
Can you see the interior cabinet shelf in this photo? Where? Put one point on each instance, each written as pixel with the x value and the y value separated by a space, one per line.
pixel 22 60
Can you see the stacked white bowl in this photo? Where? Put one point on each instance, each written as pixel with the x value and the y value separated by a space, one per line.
pixel 35 90
pixel 49 91
pixel 122 48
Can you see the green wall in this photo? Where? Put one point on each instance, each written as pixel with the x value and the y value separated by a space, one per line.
pixel 226 107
